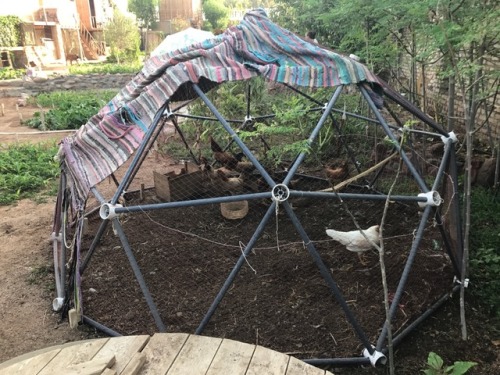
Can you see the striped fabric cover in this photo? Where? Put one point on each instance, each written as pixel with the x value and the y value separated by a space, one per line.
pixel 254 47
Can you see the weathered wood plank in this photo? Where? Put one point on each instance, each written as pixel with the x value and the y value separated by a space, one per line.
pixel 195 356
pixel 135 365
pixel 297 367
pixel 160 352
pixel 73 355
pixel 92 367
pixel 267 362
pixel 232 358
pixel 123 348
pixel 30 365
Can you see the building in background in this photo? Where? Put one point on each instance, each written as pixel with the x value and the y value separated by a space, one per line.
pixel 52 30
pixel 175 12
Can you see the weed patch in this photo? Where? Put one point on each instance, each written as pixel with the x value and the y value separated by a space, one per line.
pixel 26 170
pixel 69 109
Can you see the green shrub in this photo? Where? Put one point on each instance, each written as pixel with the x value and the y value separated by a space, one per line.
pixel 485 247
pixel 26 170
pixel 69 109
pixel 105 68
pixel 9 73
pixel 10 31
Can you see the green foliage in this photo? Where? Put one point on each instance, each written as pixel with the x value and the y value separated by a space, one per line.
pixel 69 109
pixel 26 170
pixel 9 73
pixel 123 38
pixel 145 11
pixel 10 31
pixel 485 247
pixel 105 68
pixel 435 366
pixel 216 14
pixel 283 118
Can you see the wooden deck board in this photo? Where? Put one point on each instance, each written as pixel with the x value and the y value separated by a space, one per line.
pixel 267 362
pixel 161 354
pixel 123 348
pixel 298 367
pixel 233 357
pixel 195 356
pixel 73 355
pixel 161 351
pixel 31 365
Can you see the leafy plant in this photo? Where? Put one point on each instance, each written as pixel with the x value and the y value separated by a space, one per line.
pixel 10 31
pixel 216 14
pixel 105 68
pixel 26 170
pixel 122 36
pixel 485 240
pixel 9 73
pixel 69 109
pixel 436 366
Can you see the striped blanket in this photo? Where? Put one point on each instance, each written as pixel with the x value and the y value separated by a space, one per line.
pixel 255 47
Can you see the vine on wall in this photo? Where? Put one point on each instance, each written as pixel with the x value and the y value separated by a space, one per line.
pixel 10 31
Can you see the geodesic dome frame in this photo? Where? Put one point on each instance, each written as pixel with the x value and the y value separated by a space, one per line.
pixel 132 121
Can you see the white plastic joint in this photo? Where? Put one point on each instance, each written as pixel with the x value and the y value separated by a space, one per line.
pixel 56 237
pixel 375 357
pixel 280 193
pixel 168 113
pixel 457 281
pixel 354 57
pixel 452 136
pixel 107 211
pixel 433 199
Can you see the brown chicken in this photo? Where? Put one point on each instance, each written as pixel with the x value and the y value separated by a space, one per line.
pixel 225 158
pixel 338 173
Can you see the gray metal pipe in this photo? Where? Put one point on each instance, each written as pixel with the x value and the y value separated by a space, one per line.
pixel 236 269
pixel 138 155
pixel 404 276
pixel 138 275
pixel 313 135
pixel 421 183
pixel 234 136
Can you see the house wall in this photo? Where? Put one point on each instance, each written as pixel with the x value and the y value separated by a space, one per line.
pixel 190 11
pixel 94 13
pixel 32 10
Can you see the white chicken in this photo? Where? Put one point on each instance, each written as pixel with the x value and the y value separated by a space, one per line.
pixel 355 241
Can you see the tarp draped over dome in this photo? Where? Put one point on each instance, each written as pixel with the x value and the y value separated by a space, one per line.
pixel 255 47
pixel 181 39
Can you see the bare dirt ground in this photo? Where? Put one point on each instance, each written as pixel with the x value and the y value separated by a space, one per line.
pixel 27 322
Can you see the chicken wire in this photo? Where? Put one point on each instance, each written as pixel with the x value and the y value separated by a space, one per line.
pixel 336 178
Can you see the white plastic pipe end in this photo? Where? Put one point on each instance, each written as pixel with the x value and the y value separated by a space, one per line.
pixel 107 211
pixel 433 199
pixel 57 303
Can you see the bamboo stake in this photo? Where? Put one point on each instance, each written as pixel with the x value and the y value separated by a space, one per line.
pixel 362 174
